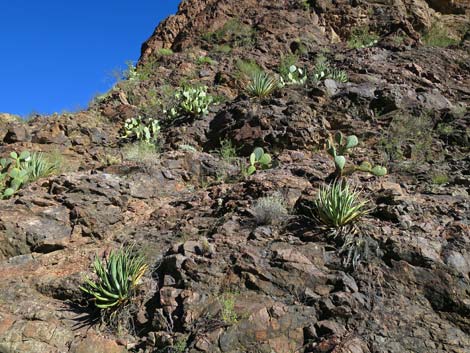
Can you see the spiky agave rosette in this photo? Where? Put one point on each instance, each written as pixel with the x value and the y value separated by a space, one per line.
pixel 117 277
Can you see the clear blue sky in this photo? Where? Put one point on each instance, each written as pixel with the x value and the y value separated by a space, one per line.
pixel 56 55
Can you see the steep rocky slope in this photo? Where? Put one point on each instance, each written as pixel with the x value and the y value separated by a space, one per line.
pixel 218 281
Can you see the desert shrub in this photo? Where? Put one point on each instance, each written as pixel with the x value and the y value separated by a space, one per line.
pixel 227 151
pixel 247 68
pixel 338 205
pixel 361 37
pixel 440 179
pixel 270 209
pixel 164 52
pixel 116 279
pixel 203 60
pixel 261 85
pixel 438 36
pixel 142 154
pixel 408 141
pixel 227 312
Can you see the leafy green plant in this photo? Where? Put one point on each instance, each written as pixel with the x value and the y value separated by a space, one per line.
pixel 227 312
pixel 258 159
pixel 361 37
pixel 227 151
pixel 338 205
pixel 440 179
pixel 116 278
pixel 261 85
pixel 141 129
pixel 323 70
pixel 438 36
pixel 337 149
pixel 191 100
pixel 295 76
pixel 203 60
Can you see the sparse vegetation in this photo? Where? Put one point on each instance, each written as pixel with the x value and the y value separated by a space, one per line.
pixel 142 153
pixel 205 60
pixel 291 73
pixel 116 279
pixel 233 33
pixel 438 36
pixel 270 209
pixel 227 312
pixel 164 52
pixel 324 70
pixel 440 179
pixel 338 205
pixel 227 151
pixel 408 140
pixel 362 37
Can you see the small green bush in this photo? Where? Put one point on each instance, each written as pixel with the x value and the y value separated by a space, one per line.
pixel 438 36
pixel 203 60
pixel 234 33
pixel 165 52
pixel 258 159
pixel 227 151
pixel 361 37
pixel 323 70
pixel 116 278
pixel 338 205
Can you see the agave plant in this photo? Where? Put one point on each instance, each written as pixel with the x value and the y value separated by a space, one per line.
pixel 261 85
pixel 39 166
pixel 117 278
pixel 338 205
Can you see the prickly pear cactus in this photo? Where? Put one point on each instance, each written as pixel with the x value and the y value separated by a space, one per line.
pixel 258 158
pixel 339 146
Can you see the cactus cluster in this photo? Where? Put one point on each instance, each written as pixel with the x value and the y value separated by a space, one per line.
pixel 13 173
pixel 294 76
pixel 337 149
pixel 258 159
pixel 193 101
pixel 145 130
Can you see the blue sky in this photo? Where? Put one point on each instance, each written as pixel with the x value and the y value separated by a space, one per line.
pixel 56 55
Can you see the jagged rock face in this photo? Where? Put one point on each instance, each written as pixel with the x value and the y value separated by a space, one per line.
pixel 219 281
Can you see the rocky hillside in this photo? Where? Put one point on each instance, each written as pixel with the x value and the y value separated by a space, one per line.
pixel 239 260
